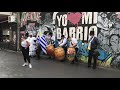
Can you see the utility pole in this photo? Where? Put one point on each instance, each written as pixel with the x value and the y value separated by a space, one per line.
pixel 18 30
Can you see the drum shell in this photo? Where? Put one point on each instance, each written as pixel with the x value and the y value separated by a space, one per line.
pixel 59 53
pixel 50 50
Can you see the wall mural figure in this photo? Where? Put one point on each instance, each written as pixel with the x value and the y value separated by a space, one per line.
pixel 109 34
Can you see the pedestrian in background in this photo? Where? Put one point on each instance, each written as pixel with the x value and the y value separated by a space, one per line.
pixel 25 50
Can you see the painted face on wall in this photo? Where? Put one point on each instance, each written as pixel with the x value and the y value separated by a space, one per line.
pixel 114 40
pixel 102 39
pixel 103 15
pixel 116 60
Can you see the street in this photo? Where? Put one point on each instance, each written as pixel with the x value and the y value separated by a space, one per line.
pixel 11 67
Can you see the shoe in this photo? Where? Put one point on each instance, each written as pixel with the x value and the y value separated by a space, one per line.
pixel 25 64
pixel 30 66
pixel 89 66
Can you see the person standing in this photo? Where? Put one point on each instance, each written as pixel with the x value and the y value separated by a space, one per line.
pixel 63 44
pixel 40 45
pixel 92 47
pixel 73 43
pixel 25 50
pixel 38 49
pixel 51 41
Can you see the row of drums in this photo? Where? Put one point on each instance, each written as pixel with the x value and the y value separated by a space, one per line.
pixel 59 53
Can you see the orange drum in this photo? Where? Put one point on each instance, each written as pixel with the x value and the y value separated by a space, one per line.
pixel 59 53
pixel 50 50
pixel 71 53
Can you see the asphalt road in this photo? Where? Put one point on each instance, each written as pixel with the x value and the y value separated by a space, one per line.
pixel 11 67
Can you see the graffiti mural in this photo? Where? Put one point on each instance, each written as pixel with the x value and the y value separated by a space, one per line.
pixel 78 25
pixel 109 34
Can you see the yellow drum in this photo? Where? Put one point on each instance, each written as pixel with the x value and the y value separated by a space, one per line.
pixel 59 53
pixel 71 53
pixel 50 50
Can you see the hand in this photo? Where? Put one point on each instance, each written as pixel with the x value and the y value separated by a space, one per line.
pixel 26 47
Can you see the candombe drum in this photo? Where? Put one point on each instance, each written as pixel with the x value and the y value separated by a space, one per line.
pixel 50 50
pixel 59 53
pixel 71 53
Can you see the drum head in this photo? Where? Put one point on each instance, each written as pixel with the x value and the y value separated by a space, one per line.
pixel 71 53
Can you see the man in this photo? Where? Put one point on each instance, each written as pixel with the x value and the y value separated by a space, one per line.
pixel 62 44
pixel 92 47
pixel 73 43
pixel 51 38
pixel 39 49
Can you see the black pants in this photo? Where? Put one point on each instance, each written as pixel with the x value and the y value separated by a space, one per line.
pixel 25 53
pixel 76 49
pixel 92 55
pixel 65 49
pixel 38 51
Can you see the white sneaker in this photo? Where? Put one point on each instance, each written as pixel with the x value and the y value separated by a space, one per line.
pixel 30 66
pixel 25 64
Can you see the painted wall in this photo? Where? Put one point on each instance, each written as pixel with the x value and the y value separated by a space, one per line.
pixel 78 24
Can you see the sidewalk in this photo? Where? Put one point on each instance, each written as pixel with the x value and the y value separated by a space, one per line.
pixel 106 68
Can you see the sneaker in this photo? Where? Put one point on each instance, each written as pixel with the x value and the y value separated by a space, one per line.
pixel 89 66
pixel 25 64
pixel 30 66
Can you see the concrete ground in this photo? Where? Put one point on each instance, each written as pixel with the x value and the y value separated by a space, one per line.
pixel 11 67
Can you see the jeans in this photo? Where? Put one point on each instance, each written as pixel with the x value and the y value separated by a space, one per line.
pixel 91 55
pixel 25 53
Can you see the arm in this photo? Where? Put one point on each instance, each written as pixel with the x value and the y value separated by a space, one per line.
pixel 75 43
pixel 28 44
pixel 97 42
pixel 64 42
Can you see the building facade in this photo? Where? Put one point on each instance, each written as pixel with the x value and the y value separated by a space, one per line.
pixel 8 32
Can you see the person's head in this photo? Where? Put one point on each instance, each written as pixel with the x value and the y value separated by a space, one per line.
pixel 103 14
pixel 45 33
pixel 51 34
pixel 92 33
pixel 26 35
pixel 114 39
pixel 30 35
pixel 85 41
pixel 62 37
pixel 69 38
